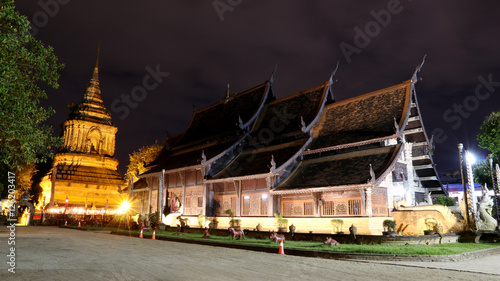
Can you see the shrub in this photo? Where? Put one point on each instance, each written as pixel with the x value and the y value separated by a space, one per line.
pixel 445 201
pixel 389 225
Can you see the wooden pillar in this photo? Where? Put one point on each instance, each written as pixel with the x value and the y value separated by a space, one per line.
pixel 237 186
pixel 205 199
pixel 368 204
pixel 270 201
pixel 150 189
pixel 161 180
pixel 183 183
pixel 317 204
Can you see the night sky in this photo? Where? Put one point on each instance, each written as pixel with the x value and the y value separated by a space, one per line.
pixel 204 45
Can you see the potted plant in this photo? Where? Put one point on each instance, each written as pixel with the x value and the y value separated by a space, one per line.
pixel 337 226
pixel 282 222
pixel 234 223
pixel 153 220
pixel 430 223
pixel 201 220
pixel 183 222
pixel 389 228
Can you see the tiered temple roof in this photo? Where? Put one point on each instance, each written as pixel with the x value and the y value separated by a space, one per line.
pixel 279 134
pixel 359 140
pixel 213 130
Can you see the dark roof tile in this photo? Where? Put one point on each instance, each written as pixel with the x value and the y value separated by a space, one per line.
pixel 362 118
pixel 342 169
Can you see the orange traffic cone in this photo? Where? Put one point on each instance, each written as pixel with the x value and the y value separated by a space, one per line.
pixel 154 235
pixel 282 250
pixel 140 235
pixel 79 224
pixel 66 223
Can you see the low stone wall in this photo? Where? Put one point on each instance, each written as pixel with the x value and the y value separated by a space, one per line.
pixel 365 225
pixel 412 219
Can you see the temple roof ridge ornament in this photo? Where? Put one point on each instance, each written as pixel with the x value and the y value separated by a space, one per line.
pixel 372 176
pixel 240 122
pixel 271 80
pixel 273 164
pixel 332 80
pixel 332 76
pixel 415 78
pixel 397 129
pixel 228 92
pixel 303 125
pixel 203 157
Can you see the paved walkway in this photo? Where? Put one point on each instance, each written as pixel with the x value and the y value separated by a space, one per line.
pixel 49 253
pixel 489 264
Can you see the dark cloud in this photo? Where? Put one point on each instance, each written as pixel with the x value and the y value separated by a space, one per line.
pixel 203 54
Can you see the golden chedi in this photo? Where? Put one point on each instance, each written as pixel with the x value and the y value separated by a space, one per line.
pixel 85 170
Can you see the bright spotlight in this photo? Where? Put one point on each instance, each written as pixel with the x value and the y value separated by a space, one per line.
pixel 125 206
pixel 470 158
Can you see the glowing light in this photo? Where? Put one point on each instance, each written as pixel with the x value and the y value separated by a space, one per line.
pixel 470 158
pixel 125 206
pixel 264 196
pixel 246 197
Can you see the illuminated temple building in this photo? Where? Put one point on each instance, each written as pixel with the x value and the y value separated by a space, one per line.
pixel 307 156
pixel 85 171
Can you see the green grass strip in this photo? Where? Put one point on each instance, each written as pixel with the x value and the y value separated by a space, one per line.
pixel 442 249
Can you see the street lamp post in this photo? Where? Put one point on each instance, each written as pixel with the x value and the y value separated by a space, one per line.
pixel 460 153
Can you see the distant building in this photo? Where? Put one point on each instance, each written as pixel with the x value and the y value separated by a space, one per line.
pixel 305 156
pixel 85 170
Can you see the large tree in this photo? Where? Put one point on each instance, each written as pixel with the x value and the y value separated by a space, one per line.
pixel 489 137
pixel 25 63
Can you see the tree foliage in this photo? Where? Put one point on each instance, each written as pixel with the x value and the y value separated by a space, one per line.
pixel 482 173
pixel 144 155
pixel 24 63
pixel 489 137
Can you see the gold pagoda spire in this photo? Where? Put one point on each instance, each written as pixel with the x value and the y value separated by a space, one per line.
pixel 95 75
pixel 93 92
pixel 92 105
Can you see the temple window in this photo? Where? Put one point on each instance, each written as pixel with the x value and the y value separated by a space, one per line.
pixel 308 208
pixel 328 208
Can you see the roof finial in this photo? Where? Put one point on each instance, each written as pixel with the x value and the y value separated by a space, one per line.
pixel 228 92
pixel 333 73
pixel 271 80
pixel 414 78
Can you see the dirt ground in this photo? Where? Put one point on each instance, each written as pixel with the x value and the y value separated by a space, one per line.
pixel 49 253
